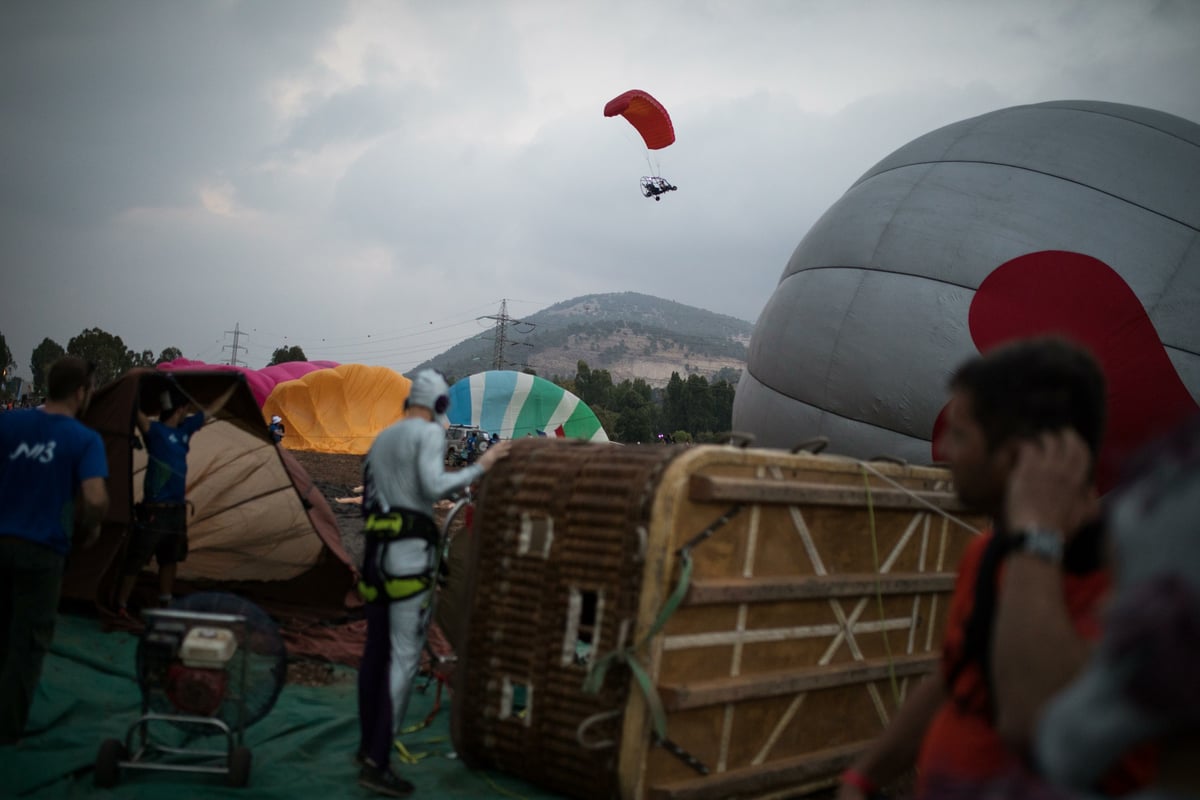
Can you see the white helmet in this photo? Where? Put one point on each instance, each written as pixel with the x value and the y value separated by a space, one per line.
pixel 276 419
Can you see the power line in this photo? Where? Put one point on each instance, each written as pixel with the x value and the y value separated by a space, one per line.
pixel 381 340
pixel 349 342
pixel 237 332
pixel 417 340
pixel 500 335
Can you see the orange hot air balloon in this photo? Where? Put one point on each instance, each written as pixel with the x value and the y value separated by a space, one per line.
pixel 339 410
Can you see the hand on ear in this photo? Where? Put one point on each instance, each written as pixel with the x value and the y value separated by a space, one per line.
pixel 1050 486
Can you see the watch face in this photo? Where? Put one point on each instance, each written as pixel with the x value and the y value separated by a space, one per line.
pixel 1045 544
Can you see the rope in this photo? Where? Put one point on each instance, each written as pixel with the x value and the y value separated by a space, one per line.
pixel 594 681
pixel 887 645
pixel 939 511
pixel 498 789
pixel 408 757
pixel 684 756
pixel 437 706
pixel 442 548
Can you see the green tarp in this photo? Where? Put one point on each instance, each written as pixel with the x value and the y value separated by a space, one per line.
pixel 302 749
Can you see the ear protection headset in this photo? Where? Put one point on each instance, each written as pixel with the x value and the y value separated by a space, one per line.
pixel 443 400
pixel 439 406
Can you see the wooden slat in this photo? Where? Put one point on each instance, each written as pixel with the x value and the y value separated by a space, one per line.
pixel 679 697
pixel 761 778
pixel 714 591
pixel 719 489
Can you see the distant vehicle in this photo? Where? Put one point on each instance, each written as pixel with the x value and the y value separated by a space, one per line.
pixel 458 444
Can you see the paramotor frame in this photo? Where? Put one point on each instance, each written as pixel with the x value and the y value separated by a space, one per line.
pixel 656 187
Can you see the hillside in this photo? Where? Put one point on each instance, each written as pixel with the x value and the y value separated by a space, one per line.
pixel 631 335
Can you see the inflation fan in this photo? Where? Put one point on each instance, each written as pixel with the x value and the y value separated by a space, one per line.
pixel 211 665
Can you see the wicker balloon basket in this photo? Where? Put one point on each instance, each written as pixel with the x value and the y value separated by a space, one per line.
pixel 697 622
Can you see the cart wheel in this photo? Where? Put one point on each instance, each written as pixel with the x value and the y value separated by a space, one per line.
pixel 108 763
pixel 239 766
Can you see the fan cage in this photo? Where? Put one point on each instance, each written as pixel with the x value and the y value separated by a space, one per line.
pixel 261 652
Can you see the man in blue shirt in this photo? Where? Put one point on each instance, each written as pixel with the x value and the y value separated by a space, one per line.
pixel 48 460
pixel 161 528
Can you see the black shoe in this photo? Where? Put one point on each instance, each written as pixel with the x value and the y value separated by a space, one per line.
pixel 384 781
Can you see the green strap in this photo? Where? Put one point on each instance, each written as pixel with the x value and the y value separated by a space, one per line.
pixel 653 702
pixel 681 588
pixel 388 524
pixel 594 681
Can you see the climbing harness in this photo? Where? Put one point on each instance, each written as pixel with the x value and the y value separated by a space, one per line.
pixel 387 529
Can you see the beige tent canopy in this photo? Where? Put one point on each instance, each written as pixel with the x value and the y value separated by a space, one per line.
pixel 257 524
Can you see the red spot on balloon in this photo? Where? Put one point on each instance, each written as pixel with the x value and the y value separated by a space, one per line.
pixel 1055 292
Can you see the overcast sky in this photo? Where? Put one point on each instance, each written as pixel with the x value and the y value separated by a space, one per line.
pixel 366 179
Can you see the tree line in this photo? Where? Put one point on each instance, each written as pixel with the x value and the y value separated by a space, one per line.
pixel 107 351
pixel 685 410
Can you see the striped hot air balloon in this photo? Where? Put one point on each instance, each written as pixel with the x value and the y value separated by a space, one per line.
pixel 516 404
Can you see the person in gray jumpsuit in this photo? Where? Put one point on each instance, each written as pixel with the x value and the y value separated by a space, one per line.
pixel 404 474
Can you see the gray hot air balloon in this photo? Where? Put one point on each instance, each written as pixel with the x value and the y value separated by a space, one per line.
pixel 1073 217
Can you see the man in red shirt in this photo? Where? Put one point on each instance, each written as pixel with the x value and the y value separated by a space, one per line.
pixel 1027 600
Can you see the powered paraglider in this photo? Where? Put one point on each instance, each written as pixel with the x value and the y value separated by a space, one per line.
pixel 650 119
pixel 653 186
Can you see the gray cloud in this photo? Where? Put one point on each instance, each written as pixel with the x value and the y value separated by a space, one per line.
pixel 362 112
pixel 125 105
pixel 365 179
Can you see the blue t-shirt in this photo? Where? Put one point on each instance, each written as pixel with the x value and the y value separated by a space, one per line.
pixel 166 469
pixel 43 459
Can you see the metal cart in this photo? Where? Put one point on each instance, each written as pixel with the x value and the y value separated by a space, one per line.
pixel 143 746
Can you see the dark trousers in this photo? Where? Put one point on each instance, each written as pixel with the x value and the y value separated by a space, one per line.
pixel 396 631
pixel 30 580
pixel 374 692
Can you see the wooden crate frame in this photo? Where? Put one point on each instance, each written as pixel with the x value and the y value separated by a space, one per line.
pixel 799 633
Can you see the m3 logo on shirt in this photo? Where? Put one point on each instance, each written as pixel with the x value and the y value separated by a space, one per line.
pixel 43 453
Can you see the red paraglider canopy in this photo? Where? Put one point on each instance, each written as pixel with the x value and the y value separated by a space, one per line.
pixel 645 114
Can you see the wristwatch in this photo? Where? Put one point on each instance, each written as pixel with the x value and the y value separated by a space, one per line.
pixel 1041 542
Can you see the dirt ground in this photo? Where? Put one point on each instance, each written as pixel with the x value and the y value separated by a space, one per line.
pixel 337 475
pixel 333 469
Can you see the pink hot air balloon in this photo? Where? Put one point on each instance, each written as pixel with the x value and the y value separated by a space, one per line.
pixel 262 381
